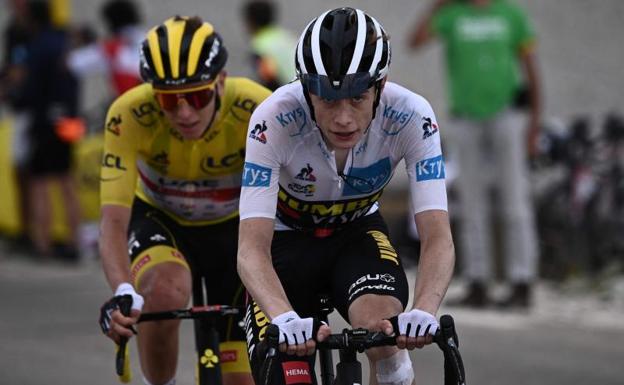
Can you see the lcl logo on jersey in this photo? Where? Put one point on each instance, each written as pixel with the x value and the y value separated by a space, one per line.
pixel 258 132
pixel 429 128
pixel 229 162
pixel 145 114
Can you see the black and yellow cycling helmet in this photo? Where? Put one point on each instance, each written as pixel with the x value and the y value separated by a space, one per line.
pixel 182 51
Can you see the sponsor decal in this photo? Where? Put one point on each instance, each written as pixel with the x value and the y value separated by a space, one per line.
pixel 429 169
pixel 297 116
pixel 365 180
pixel 112 161
pixel 385 277
pixel 386 250
pixel 145 114
pixel 244 107
pixel 296 372
pixel 133 243
pixel 209 359
pixel 306 174
pixel 380 286
pixel 200 189
pixel 139 265
pixel 429 128
pixel 255 175
pixel 301 214
pixel 114 125
pixel 157 238
pixel 160 161
pixel 214 50
pixel 255 320
pixel 258 132
pixel 396 117
pixel 307 190
pixel 176 134
pixel 162 158
pixel 228 356
pixel 177 254
pixel 229 162
pixel 211 134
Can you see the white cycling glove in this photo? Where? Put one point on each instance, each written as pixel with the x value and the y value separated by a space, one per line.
pixel 293 330
pixel 416 323
pixel 126 288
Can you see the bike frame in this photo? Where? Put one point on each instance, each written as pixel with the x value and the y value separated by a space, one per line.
pixel 207 339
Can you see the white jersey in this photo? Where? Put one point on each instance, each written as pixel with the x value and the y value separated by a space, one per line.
pixel 291 175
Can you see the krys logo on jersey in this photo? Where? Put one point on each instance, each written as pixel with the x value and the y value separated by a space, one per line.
pixel 296 116
pixel 365 180
pixel 255 175
pixel 397 118
pixel 432 168
pixel 304 215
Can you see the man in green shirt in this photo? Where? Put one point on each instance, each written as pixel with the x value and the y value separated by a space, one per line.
pixel 272 46
pixel 491 80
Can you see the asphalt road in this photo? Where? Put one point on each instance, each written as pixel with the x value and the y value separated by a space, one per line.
pixel 49 335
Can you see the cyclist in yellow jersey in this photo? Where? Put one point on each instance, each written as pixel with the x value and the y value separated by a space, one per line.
pixel 170 184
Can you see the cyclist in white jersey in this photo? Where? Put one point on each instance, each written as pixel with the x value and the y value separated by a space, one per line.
pixel 319 153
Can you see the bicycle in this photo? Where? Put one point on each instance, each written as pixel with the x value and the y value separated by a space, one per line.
pixel 352 341
pixel 208 355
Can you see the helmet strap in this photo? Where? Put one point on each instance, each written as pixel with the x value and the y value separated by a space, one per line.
pixel 214 113
pixel 306 94
pixel 377 97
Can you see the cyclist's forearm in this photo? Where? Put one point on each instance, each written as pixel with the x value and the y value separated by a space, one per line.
pixel 263 284
pixel 256 269
pixel 436 264
pixel 114 251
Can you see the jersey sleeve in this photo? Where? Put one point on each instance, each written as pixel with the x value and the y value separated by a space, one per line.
pixel 523 31
pixel 442 22
pixel 118 175
pixel 263 160
pixel 423 160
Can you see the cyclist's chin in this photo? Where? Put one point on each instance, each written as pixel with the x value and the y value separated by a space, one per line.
pixel 190 131
pixel 344 141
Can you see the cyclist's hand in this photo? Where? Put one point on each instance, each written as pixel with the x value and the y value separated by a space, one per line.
pixel 112 322
pixel 416 329
pixel 296 334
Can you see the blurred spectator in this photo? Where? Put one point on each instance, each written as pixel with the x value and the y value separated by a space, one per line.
pixel 487 42
pixel 272 46
pixel 12 73
pixel 49 96
pixel 118 54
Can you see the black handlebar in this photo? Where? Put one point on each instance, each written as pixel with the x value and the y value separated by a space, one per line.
pixel 196 312
pixel 361 339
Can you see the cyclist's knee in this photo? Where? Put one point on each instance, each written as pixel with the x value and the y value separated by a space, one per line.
pixel 395 369
pixel 165 287
pixel 369 309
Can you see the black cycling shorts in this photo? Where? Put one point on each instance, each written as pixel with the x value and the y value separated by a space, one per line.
pixel 209 250
pixel 356 260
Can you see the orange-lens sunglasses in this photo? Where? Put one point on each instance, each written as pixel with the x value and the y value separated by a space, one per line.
pixel 198 98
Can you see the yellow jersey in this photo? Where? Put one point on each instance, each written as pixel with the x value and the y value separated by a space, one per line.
pixel 196 182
